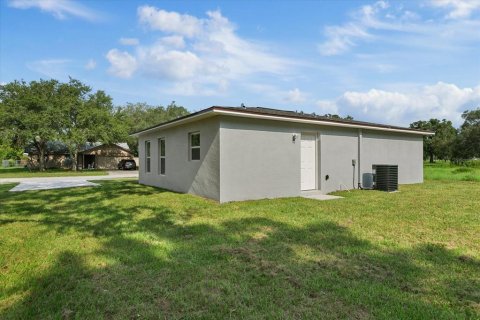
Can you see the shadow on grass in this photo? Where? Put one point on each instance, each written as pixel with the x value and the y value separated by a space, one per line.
pixel 155 264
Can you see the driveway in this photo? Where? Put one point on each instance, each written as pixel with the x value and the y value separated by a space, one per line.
pixel 44 183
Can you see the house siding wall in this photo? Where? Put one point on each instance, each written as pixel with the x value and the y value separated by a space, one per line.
pixel 245 159
pixel 52 161
pixel 338 148
pixel 258 158
pixel 183 175
pixel 393 148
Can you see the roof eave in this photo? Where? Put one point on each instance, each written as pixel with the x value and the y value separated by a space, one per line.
pixel 207 113
pixel 213 111
pixel 318 122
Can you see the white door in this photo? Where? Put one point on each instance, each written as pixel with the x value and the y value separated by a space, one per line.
pixel 307 161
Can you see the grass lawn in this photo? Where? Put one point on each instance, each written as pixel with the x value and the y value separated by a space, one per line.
pixel 25 173
pixel 128 251
pixel 444 171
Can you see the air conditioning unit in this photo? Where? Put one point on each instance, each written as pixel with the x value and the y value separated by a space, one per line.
pixel 367 181
pixel 385 177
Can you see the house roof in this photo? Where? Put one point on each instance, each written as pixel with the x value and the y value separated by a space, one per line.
pixel 59 148
pixel 93 145
pixel 280 115
pixel 52 147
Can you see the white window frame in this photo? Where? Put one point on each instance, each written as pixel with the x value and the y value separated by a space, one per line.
pixel 148 156
pixel 190 147
pixel 160 157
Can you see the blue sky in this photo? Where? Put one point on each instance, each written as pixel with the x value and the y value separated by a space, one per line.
pixel 384 61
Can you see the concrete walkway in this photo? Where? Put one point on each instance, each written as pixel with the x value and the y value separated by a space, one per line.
pixel 46 183
pixel 317 195
pixel 111 175
pixel 27 186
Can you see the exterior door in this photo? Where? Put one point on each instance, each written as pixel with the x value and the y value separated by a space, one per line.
pixel 308 157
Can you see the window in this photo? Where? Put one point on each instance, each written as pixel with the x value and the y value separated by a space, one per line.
pixel 147 156
pixel 161 156
pixel 195 146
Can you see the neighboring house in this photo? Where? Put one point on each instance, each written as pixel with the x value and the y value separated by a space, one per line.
pixel 91 156
pixel 57 155
pixel 242 153
pixel 103 156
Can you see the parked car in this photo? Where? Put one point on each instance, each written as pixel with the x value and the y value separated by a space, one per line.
pixel 127 164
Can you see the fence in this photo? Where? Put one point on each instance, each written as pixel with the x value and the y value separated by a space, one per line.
pixel 13 163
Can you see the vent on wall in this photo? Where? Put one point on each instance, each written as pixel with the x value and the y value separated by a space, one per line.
pixel 386 177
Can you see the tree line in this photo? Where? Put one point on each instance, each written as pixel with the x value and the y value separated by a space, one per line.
pixel 38 112
pixel 450 143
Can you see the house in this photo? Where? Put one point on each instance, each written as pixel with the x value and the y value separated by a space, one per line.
pixel 91 155
pixel 103 156
pixel 243 153
pixel 57 155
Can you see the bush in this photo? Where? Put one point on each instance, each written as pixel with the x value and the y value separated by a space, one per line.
pixel 471 178
pixel 462 170
pixel 472 163
pixel 68 163
pixel 475 163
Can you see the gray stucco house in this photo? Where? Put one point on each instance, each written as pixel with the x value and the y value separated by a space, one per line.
pixel 243 153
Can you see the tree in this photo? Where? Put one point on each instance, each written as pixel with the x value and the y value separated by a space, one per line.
pixel 9 151
pixel 85 117
pixel 467 144
pixel 440 145
pixel 443 140
pixel 471 118
pixel 44 111
pixel 427 140
pixel 336 116
pixel 29 114
pixel 8 148
pixel 138 116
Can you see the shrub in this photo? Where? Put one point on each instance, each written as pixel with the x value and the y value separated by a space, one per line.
pixel 462 170
pixel 68 163
pixel 473 163
pixel 471 177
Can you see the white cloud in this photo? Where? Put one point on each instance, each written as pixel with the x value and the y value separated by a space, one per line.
pixel 60 9
pixel 370 22
pixel 341 38
pixel 91 64
pixel 458 8
pixel 326 106
pixel 295 96
pixel 52 68
pixel 441 100
pixel 204 54
pixel 170 64
pixel 171 22
pixel 122 64
pixel 129 41
pixel 173 41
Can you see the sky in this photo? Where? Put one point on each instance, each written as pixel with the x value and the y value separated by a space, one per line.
pixel 390 62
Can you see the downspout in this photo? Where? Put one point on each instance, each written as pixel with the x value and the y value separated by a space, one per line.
pixel 360 137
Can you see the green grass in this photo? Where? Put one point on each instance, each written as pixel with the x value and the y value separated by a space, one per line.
pixel 123 251
pixel 446 171
pixel 25 173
